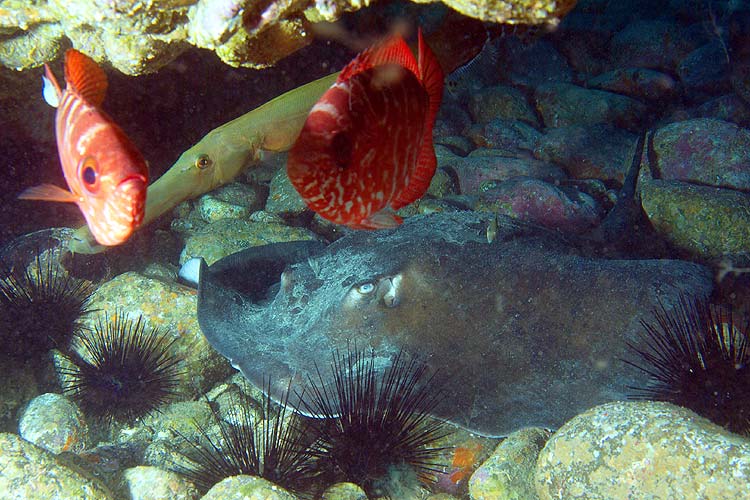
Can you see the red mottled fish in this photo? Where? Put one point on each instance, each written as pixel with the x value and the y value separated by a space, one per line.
pixel 106 174
pixel 366 147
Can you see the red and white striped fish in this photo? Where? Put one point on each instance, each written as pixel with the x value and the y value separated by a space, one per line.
pixel 106 174
pixel 366 147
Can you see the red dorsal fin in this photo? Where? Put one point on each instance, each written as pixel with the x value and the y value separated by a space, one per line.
pixel 431 76
pixel 390 51
pixel 85 77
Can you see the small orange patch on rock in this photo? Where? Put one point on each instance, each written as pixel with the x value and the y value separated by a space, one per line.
pixel 69 442
pixel 464 462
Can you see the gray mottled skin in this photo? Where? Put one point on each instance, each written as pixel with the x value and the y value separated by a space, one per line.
pixel 522 331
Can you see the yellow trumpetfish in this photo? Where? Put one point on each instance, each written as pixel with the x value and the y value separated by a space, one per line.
pixel 223 153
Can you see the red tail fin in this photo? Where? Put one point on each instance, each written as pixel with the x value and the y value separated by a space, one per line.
pixel 85 76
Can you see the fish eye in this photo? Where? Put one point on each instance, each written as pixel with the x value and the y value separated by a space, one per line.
pixel 89 175
pixel 88 171
pixel 203 161
pixel 366 288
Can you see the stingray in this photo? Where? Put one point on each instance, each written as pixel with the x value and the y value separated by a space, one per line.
pixel 523 331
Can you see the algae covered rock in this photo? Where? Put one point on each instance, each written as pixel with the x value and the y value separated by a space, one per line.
pixel 501 101
pixel 244 487
pixel 708 222
pixel 27 471
pixel 140 37
pixel 509 472
pixel 153 483
pixel 598 151
pixel 344 491
pixel 704 151
pixel 53 422
pixel 511 11
pixel 227 236
pixel 541 203
pixel 232 201
pixel 283 197
pixel 170 308
pixel 643 450
pixel 564 104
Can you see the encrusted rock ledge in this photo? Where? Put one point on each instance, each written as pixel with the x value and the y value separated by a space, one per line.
pixel 141 36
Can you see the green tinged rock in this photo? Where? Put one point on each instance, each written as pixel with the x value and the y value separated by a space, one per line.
pixel 644 450
pixel 27 471
pixel 138 37
pixel 705 221
pixel 344 491
pixel 170 308
pixel 509 472
pixel 247 488
pixel 153 483
pixel 227 236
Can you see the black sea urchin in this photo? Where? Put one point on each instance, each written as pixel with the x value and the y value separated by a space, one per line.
pixel 275 449
pixel 698 357
pixel 376 426
pixel 123 370
pixel 40 307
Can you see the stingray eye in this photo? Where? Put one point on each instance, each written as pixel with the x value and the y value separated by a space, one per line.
pixel 89 174
pixel 366 288
pixel 203 162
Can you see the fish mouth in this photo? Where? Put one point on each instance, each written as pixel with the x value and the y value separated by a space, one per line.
pixel 132 180
pixel 130 194
pixel 122 212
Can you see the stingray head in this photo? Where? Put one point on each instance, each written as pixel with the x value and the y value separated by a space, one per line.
pixel 368 295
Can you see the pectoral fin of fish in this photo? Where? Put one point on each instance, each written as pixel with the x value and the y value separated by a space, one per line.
pixel 48 192
pixel 384 219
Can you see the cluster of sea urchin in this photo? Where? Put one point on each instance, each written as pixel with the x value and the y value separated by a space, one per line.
pixel 698 357
pixel 40 307
pixel 372 427
pixel 275 449
pixel 376 427
pixel 122 371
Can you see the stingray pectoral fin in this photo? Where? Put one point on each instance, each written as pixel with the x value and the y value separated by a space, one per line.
pixel 258 339
pixel 253 271
pixel 242 277
pixel 248 260
pixel 220 310
pixel 242 332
